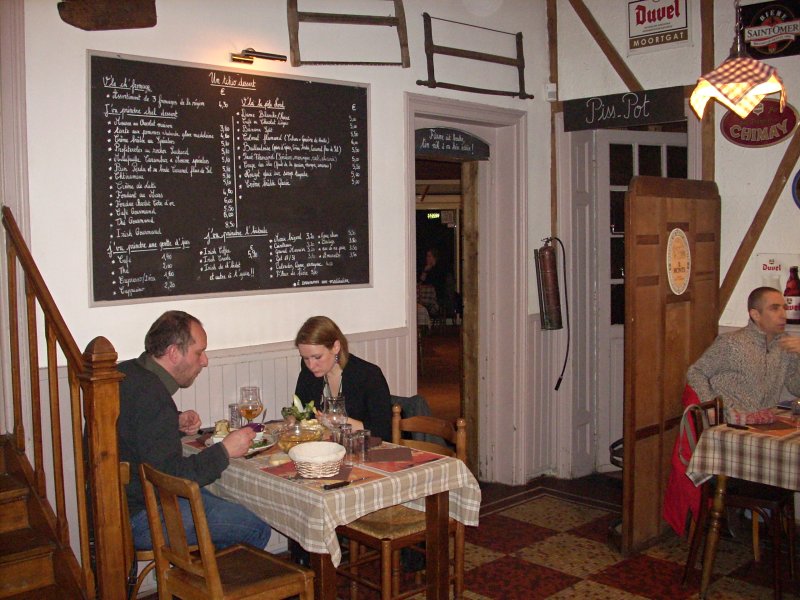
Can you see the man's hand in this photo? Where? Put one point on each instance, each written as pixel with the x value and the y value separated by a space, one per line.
pixel 189 422
pixel 790 344
pixel 237 443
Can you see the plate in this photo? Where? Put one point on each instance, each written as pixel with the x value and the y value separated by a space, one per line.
pixel 267 440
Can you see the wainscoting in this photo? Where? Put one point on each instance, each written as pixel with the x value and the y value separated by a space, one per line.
pixel 274 368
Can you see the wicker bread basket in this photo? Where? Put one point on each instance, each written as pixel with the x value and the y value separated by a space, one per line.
pixel 317 459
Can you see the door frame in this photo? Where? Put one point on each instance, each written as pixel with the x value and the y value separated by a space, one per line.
pixel 571 436
pixel 501 325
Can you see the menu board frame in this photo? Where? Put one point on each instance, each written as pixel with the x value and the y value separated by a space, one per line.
pixel 322 256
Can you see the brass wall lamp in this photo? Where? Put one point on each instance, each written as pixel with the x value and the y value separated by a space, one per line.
pixel 248 54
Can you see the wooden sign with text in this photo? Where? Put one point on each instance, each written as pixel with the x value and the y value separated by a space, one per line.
pixel 646 107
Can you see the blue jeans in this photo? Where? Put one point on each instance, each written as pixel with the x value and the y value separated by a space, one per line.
pixel 228 523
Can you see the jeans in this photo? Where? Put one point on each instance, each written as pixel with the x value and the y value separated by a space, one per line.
pixel 228 524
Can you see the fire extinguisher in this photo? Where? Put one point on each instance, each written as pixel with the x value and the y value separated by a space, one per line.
pixel 549 296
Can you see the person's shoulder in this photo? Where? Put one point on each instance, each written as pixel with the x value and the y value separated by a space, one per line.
pixel 363 365
pixel 136 374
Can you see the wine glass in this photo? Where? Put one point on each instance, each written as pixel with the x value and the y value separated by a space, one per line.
pixel 250 403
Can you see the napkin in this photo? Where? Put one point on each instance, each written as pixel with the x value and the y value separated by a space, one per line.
pixel 400 454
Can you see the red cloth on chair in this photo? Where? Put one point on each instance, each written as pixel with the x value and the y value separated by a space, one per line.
pixel 681 495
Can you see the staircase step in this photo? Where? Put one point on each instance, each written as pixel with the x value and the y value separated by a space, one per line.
pixel 51 592
pixel 26 562
pixel 13 503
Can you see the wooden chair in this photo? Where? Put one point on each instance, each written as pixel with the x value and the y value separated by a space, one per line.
pixel 238 572
pixel 387 531
pixel 132 556
pixel 774 505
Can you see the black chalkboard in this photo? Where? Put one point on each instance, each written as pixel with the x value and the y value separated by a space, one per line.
pixel 205 181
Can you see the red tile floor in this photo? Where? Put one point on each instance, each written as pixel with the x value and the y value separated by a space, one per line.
pixel 552 541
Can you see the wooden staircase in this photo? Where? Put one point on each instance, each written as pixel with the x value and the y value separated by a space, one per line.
pixel 32 564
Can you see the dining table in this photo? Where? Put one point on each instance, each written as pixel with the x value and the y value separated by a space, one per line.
pixel 305 511
pixel 768 453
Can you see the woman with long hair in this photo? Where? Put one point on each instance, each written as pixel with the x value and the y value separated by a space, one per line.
pixel 328 369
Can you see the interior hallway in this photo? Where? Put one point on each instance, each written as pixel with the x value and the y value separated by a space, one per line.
pixel 439 371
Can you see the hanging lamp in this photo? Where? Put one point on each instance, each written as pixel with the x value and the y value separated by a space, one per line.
pixel 739 83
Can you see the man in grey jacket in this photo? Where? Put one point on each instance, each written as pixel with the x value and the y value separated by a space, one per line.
pixel 750 367
pixel 150 428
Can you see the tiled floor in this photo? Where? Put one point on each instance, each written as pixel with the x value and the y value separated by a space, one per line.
pixel 552 541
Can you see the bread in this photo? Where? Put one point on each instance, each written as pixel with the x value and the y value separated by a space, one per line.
pixel 221 428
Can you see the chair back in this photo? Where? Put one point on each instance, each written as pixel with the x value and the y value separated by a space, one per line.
pixel 706 414
pixel 455 436
pixel 174 559
pixel 696 418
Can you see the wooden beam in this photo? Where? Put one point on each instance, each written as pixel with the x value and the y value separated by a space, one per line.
pixel 552 46
pixel 103 15
pixel 708 131
pixel 617 62
pixel 739 262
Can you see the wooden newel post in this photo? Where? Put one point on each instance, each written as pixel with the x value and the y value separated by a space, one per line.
pixel 100 384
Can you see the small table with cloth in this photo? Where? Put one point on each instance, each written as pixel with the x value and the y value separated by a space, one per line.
pixel 300 509
pixel 762 453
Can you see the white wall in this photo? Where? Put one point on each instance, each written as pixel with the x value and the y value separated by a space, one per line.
pixel 742 174
pixel 206 31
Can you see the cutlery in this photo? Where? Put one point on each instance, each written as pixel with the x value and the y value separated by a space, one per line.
pixel 257 452
pixel 340 484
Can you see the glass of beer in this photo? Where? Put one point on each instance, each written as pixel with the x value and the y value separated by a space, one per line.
pixel 250 402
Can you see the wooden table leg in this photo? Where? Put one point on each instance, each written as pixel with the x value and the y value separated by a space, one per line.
pixel 717 508
pixel 437 562
pixel 324 576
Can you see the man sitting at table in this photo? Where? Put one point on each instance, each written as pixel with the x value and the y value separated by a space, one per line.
pixel 750 367
pixel 150 429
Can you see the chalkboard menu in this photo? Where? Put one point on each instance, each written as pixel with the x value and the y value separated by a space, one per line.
pixel 205 181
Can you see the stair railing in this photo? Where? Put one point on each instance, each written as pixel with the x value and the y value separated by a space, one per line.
pixel 92 378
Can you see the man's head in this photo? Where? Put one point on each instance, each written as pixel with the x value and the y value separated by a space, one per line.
pixel 766 309
pixel 177 341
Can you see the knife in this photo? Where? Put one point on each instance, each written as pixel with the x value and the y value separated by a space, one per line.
pixel 340 484
pixel 257 452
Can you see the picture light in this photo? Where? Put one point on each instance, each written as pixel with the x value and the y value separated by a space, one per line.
pixel 248 54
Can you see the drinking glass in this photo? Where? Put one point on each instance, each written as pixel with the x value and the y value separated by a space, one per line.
pixel 334 414
pixel 250 403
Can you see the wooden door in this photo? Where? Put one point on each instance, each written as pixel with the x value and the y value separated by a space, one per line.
pixel 665 331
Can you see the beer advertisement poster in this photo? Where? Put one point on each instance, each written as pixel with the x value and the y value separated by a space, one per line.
pixel 657 25
pixel 771 29
pixel 779 271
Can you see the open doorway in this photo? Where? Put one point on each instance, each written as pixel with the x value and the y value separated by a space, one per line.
pixel 438 290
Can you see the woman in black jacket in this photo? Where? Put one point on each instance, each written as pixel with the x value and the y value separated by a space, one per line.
pixel 328 369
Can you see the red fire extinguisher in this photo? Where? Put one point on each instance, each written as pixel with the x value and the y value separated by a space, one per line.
pixel 549 296
pixel 547 284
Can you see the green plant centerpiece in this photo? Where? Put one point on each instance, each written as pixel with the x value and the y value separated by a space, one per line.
pixel 297 412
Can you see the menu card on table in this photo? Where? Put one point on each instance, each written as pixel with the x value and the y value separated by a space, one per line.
pixel 395 459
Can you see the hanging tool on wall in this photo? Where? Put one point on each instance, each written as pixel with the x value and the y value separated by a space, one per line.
pixel 549 296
